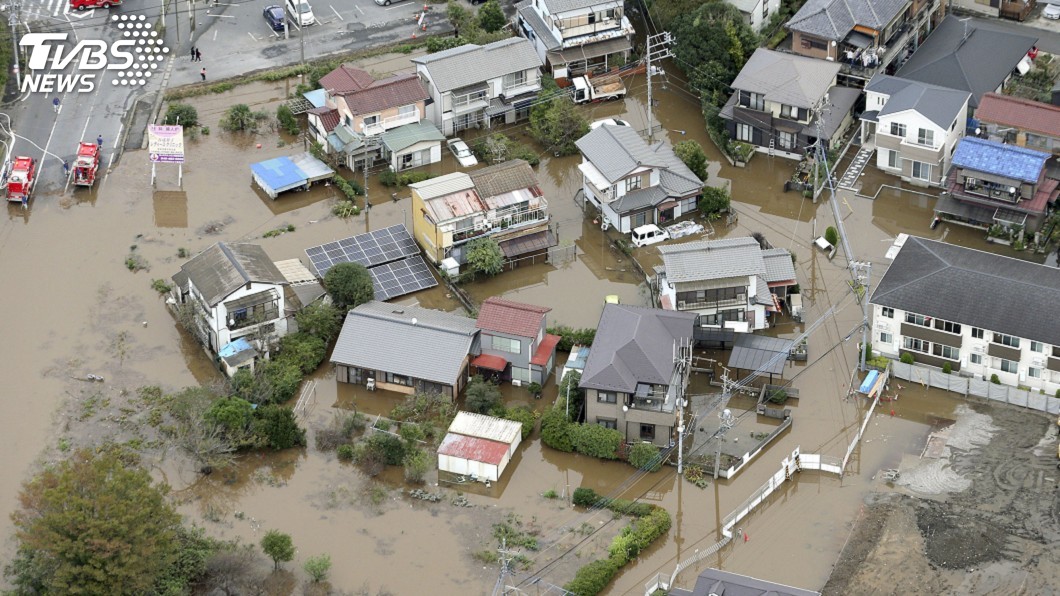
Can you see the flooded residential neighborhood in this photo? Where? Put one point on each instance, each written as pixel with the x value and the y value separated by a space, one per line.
pixel 718 381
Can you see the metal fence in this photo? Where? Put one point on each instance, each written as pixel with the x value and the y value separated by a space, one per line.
pixel 978 387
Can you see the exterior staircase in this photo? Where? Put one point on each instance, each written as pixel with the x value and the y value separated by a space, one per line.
pixel 857 165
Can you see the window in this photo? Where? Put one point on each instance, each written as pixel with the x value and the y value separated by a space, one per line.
pixel 925 137
pixel 787 140
pixel 1006 340
pixel 1009 366
pixel 976 358
pixel 1036 346
pixel 897 129
pixel 789 112
pixel 736 314
pixel 607 397
pixel 397 379
pixel 744 133
pixel 917 319
pixel 948 352
pixel 632 183
pixel 954 125
pixel 886 338
pixel 947 326
pixel 756 101
pixel 893 159
pixel 608 423
pixel 515 79
pixel 504 344
pixel 813 44
pixel 371 120
pixel 916 345
pixel 1034 373
pixel 647 432
pixel 977 333
pixel 407 111
pixel 921 170
pixel 888 312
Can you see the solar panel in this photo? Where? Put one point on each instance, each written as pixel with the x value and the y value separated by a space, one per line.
pixel 369 249
pixel 398 278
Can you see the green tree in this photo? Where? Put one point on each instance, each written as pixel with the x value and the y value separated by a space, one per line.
pixel 234 415
pixel 491 17
pixel 305 350
pixel 320 320
pixel 556 430
pixel 288 121
pixel 239 118
pixel 182 114
pixel 555 121
pixel 713 43
pixel 484 256
pixel 93 524
pixel 645 456
pixel 277 546
pixel 481 395
pixel 318 567
pixel 831 235
pixel 692 154
pixel 416 464
pixel 714 200
pixel 277 427
pixel 349 285
pixel 595 440
pixel 568 389
pixel 462 19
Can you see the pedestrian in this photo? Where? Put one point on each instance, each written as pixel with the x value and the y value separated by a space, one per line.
pixel 202 73
pixel 193 50
pixel 99 141
pixel 55 105
pixel 198 55
pixel 66 167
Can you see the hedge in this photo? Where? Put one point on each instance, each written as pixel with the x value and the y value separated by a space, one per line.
pixel 570 337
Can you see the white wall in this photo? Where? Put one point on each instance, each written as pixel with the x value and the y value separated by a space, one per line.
pixel 217 321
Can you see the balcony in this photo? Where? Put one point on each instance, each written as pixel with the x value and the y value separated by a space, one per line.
pixel 381 126
pixel 719 304
pixel 503 222
pixel 569 31
pixel 470 101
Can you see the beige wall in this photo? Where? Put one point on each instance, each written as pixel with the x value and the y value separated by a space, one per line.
pixel 797 39
pixel 357 120
pixel 628 422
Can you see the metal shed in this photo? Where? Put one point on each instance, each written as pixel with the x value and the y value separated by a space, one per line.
pixel 759 352
pixel 478 445
pixel 288 173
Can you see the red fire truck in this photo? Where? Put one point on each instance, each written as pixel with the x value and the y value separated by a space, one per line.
pixel 86 165
pixel 20 179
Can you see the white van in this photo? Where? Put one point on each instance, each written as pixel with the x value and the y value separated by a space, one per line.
pixel 649 234
pixel 301 12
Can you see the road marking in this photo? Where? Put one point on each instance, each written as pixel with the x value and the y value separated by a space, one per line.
pixel 215 34
pixel 82 14
pixel 220 16
pixel 397 5
pixel 359 9
pixel 336 13
pixel 117 139
pixel 252 36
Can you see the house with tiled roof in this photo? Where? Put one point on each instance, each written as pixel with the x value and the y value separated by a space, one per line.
pixel 573 37
pixel 357 111
pixel 992 183
pixel 914 127
pixel 475 86
pixel 1021 122
pixel 513 343
pixel 731 283
pixel 633 183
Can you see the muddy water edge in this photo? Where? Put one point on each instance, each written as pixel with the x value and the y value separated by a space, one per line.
pixel 80 311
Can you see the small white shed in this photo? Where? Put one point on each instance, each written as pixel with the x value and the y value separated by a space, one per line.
pixel 479 445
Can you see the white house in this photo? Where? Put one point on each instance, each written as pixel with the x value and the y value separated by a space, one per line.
pixel 756 13
pixel 914 126
pixel 479 446
pixel 237 293
pixel 979 313
pixel 576 36
pixel 477 86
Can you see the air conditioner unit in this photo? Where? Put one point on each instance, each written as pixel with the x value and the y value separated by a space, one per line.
pixel 517 383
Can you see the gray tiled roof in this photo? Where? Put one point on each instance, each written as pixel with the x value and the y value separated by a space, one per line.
pixel 382 336
pixel 470 64
pixel 640 198
pixel 714 581
pixel 634 344
pixel 841 101
pixel 557 6
pixel 835 19
pixel 972 287
pixel 938 104
pixel 786 78
pixel 223 268
pixel 778 265
pixel 713 259
pixel 616 151
pixel 528 14
pixel 508 176
pixel 957 55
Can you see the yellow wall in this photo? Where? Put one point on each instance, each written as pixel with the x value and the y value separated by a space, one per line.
pixel 427 236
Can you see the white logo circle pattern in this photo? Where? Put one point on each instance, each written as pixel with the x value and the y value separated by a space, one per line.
pixel 148 49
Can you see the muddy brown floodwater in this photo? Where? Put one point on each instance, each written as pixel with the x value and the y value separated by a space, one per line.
pixel 73 308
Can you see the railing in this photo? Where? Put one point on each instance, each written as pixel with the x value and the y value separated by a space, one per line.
pixel 683 305
pixel 392 122
pixel 576 30
pixel 470 101
pixel 514 220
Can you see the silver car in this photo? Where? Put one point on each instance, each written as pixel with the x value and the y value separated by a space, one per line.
pixel 461 152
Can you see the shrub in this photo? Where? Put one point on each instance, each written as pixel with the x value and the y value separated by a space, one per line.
pixel 303 350
pixel 319 320
pixel 182 114
pixel 570 337
pixel 484 255
pixel 778 396
pixel 524 415
pixel 287 119
pixel 345 452
pixel 482 396
pixel 416 464
pixel 906 358
pixel 645 456
pixel 693 156
pixel 278 427
pixel 585 497
pixel 346 209
pixel 831 235
pixel 239 118
pixel 499 147
pixel 592 578
pixel 947 368
pixel 282 378
pixel 160 286
pixel 555 430
pixel 994 379
pixel 550 494
pixel 318 567
pixel 595 440
pixel 715 200
pixel 389 447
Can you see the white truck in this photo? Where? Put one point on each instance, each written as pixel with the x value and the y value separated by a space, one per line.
pixel 587 90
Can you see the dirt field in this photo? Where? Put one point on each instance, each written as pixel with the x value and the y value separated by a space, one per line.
pixel 984 518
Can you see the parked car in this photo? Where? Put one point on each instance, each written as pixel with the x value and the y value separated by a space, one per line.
pixel 301 12
pixel 387 2
pixel 275 17
pixel 1051 11
pixel 83 4
pixel 608 122
pixel 649 234
pixel 461 152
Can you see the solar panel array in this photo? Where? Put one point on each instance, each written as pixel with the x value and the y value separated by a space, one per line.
pixel 390 255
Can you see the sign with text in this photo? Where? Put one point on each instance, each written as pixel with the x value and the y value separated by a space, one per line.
pixel 165 143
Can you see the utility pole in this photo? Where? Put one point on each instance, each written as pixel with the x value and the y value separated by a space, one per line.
pixel 12 22
pixel 657 47
pixel 505 556
pixel 863 276
pixel 682 366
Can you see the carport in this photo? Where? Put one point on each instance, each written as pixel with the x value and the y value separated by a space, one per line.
pixel 288 173
pixel 758 352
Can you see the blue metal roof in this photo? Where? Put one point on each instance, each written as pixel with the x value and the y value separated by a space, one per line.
pixel 317 97
pixel 999 159
pixel 239 345
pixel 279 174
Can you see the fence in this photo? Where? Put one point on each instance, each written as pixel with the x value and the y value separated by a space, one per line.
pixel 977 387
pixel 307 400
pixel 748 456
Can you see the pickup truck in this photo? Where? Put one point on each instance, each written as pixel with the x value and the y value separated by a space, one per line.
pixel 586 90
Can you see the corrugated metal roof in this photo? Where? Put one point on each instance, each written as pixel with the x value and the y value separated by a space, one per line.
pixel 760 352
pixel 223 268
pixel 473 448
pixel 713 259
pixel 486 427
pixel 454 206
pixel 470 64
pixel 442 185
pixel 513 318
pixel 634 344
pixel 1000 159
pixel 295 272
pixel 786 78
pixel 381 336
pixel 403 137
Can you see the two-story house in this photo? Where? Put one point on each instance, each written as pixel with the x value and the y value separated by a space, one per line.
pixel 779 100
pixel 994 183
pixel 237 293
pixel 358 110
pixel 633 183
pixel 502 201
pixel 513 343
pixel 1021 122
pixel 629 378
pixel 864 37
pixel 756 13
pixel 573 37
pixel 914 127
pixel 980 313
pixel 476 86
pixel 731 283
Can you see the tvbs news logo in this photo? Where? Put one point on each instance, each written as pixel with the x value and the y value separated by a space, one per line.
pixel 132 60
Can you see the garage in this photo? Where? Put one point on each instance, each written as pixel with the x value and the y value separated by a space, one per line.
pixel 479 446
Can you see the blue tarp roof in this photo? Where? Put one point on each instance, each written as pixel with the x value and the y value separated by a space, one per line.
pixel 999 159
pixel 317 97
pixel 239 345
pixel 870 380
pixel 279 174
pixel 578 358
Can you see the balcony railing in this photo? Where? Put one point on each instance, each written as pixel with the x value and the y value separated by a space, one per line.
pixel 503 222
pixel 684 305
pixel 567 31
pixel 470 101
pixel 386 124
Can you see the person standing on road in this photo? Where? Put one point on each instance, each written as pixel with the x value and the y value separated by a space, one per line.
pixel 55 105
pixel 193 53
pixel 202 73
pixel 99 141
pixel 66 167
pixel 198 55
